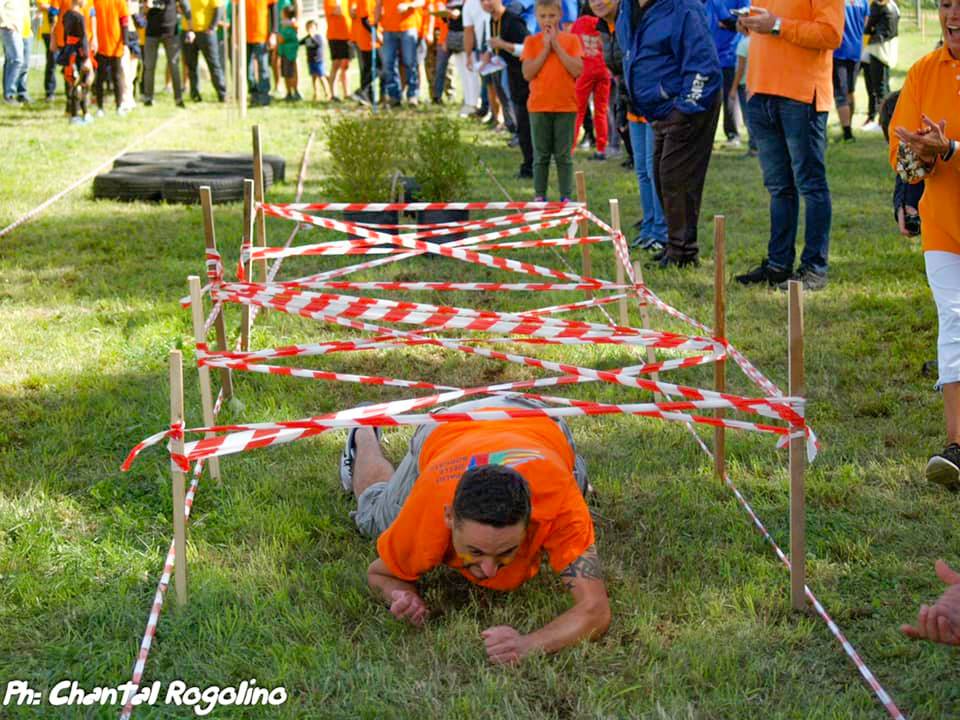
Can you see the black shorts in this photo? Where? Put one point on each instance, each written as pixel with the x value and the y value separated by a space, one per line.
pixel 340 49
pixel 844 80
pixel 288 68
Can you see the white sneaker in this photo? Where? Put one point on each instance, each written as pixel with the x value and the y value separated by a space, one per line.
pixel 87 119
pixel 128 104
pixel 732 144
pixel 122 110
pixel 100 112
pixel 872 127
pixel 349 456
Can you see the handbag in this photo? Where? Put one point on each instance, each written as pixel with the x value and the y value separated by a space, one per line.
pixel 455 41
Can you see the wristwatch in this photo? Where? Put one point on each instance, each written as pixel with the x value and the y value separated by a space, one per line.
pixel 775 30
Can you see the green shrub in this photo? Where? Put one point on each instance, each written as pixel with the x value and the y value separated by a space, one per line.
pixel 365 154
pixel 441 161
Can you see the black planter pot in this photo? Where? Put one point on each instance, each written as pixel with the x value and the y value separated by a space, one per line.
pixel 376 217
pixel 431 217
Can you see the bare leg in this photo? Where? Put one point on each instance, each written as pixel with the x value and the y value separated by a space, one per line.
pixel 951 411
pixel 845 114
pixel 370 466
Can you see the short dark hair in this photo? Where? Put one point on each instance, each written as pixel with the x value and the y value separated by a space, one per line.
pixel 494 495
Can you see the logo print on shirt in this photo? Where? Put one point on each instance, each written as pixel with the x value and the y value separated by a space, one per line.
pixel 510 458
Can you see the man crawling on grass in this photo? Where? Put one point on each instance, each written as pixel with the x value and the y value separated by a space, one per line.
pixel 485 498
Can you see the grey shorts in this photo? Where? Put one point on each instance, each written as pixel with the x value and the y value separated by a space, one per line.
pixel 379 505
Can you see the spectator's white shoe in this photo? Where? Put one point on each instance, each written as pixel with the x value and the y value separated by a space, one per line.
pixel 100 112
pixel 872 127
pixel 466 111
pixel 732 143
pixel 128 104
pixel 122 110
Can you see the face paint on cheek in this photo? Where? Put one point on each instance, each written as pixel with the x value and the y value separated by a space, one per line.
pixel 466 558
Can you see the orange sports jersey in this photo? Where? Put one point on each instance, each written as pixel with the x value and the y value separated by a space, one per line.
pixel 560 523
pixel 932 88
pixel 393 20
pixel 358 33
pixel 65 7
pixel 338 26
pixel 258 20
pixel 553 89
pixel 109 33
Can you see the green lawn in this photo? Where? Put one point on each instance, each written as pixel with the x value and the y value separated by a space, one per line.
pixel 701 628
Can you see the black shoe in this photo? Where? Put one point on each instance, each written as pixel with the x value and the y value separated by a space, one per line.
pixel 181 104
pixel 808 277
pixel 148 103
pixel 668 261
pixel 524 174
pixel 763 274
pixel 627 162
pixel 598 156
pixel 514 141
pixel 195 97
pixel 944 468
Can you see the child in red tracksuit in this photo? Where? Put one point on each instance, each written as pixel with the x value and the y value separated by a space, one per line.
pixel 595 80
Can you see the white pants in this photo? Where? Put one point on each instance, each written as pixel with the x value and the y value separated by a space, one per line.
pixel 943 275
pixel 469 80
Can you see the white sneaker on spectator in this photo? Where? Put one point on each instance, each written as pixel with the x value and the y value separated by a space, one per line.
pixel 732 143
pixel 872 127
pixel 100 112
pixel 466 111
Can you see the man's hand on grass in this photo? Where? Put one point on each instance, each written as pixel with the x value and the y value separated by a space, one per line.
pixel 941 621
pixel 505 646
pixel 408 606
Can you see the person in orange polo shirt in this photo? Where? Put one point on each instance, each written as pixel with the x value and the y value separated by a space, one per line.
pixel 111 34
pixel 925 144
pixel 487 499
pixel 400 20
pixel 790 88
pixel 552 63
pixel 338 39
pixel 361 30
pixel 263 23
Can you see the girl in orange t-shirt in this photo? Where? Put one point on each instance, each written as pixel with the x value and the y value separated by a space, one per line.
pixel 552 62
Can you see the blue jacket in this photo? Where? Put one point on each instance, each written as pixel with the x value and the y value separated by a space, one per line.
pixel 854 18
pixel 669 59
pixel 725 38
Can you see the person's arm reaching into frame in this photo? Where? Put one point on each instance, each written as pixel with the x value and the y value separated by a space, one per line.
pixel 588 618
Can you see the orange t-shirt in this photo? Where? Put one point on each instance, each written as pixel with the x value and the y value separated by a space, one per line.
pixel 932 88
pixel 395 21
pixel 799 63
pixel 109 34
pixel 560 523
pixel 358 33
pixel 553 89
pixel 86 10
pixel 338 27
pixel 258 20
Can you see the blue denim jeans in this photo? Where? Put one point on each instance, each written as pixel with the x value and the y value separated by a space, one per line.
pixel 12 60
pixel 402 47
pixel 653 225
pixel 258 82
pixel 791 137
pixel 440 74
pixel 22 93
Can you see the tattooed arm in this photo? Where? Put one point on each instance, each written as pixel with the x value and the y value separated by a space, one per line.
pixel 588 618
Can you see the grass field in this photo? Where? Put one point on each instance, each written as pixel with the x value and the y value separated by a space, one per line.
pixel 701 626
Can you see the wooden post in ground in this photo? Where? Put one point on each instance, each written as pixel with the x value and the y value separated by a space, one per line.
pixel 206 394
pixel 720 332
pixel 798 519
pixel 179 490
pixel 246 243
pixel 584 225
pixel 645 316
pixel 621 273
pixel 210 235
pixel 261 220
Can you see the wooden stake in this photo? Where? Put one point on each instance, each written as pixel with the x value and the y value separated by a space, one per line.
pixel 206 203
pixel 206 395
pixel 179 493
pixel 645 316
pixel 247 242
pixel 621 273
pixel 584 225
pixel 798 545
pixel 261 220
pixel 719 331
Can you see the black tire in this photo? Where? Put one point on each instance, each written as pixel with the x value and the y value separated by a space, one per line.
pixel 186 190
pixel 158 170
pixel 156 157
pixel 278 164
pixel 241 170
pixel 128 186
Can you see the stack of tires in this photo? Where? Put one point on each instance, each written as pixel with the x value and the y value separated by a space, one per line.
pixel 176 176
